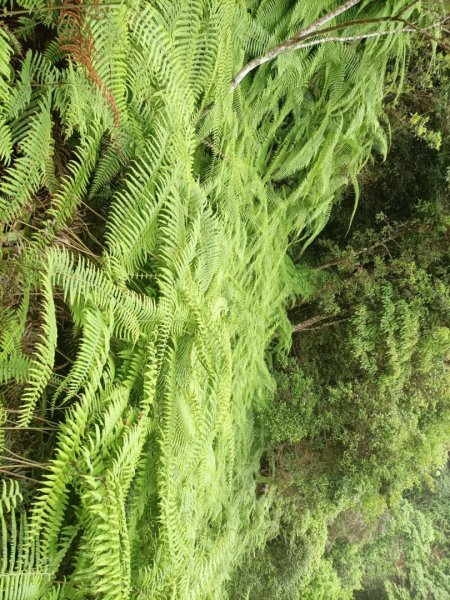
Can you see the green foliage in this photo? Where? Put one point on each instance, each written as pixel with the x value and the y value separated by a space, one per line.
pixel 146 214
pixel 382 401
pixel 362 409
pixel 432 138
pixel 410 555
pixel 291 418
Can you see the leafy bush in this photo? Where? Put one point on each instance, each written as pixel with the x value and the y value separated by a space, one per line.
pixel 290 417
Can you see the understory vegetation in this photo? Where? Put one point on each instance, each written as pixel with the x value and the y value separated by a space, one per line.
pixel 224 314
pixel 359 426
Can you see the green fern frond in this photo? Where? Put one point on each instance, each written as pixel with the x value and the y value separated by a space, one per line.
pixel 91 357
pixel 41 367
pixel 23 178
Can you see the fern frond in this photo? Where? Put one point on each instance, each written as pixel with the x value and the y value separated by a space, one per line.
pixel 41 368
pixel 90 359
pixel 23 178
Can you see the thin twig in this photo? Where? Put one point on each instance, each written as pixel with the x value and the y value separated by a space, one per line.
pixel 29 461
pixel 375 20
pixel 21 465
pixel 28 428
pixel 10 474
pixel 325 19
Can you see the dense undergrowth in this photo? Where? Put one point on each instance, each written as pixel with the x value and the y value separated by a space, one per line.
pixel 147 212
pixel 361 417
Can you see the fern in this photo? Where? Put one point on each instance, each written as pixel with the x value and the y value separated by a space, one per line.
pixel 5 133
pixel 152 209
pixel 40 370
pixel 24 177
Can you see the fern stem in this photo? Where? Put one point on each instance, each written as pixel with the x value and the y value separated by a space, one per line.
pixel 16 13
pixel 26 428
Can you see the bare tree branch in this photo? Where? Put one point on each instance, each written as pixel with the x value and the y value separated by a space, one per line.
pixel 288 44
pixel 300 45
pixel 377 20
pixel 297 42
pixel 325 19
pixel 424 30
pixel 311 324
